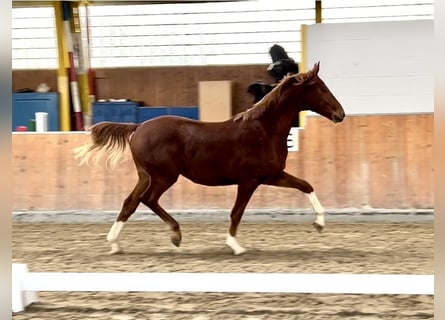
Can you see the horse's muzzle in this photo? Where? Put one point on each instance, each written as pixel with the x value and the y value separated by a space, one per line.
pixel 338 117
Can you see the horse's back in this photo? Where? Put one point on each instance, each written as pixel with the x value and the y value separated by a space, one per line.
pixel 163 141
pixel 159 132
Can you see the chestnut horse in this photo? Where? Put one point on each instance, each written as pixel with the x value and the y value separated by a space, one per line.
pixel 246 150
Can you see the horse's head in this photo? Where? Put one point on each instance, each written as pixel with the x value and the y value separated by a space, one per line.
pixel 317 97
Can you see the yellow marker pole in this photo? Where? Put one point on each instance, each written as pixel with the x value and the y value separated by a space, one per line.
pixel 302 115
pixel 62 74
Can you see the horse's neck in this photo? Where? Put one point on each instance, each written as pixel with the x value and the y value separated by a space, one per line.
pixel 279 121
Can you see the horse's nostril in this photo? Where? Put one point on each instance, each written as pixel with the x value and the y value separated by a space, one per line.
pixel 338 117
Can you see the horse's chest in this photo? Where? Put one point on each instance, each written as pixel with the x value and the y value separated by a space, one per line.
pixel 277 160
pixel 268 160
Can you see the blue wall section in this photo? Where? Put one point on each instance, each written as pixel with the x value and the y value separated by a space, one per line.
pixel 115 112
pixel 187 112
pixel 25 105
pixel 147 113
pixel 133 113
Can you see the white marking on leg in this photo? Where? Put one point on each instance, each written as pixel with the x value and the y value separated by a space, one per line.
pixel 232 243
pixel 318 208
pixel 113 236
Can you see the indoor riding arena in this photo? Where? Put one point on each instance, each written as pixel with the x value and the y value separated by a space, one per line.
pixel 80 63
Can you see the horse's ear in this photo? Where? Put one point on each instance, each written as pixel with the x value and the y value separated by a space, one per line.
pixel 316 68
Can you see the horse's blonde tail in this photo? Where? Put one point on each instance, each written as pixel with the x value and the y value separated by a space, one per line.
pixel 109 140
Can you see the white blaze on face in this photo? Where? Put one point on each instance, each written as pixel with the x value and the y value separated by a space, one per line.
pixel 318 208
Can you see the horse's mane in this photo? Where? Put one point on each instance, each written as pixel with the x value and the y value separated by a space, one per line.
pixel 270 99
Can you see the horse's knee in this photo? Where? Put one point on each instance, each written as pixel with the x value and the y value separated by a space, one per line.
pixel 306 187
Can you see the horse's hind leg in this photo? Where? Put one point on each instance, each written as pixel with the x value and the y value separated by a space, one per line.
pixel 151 198
pixel 243 196
pixel 288 181
pixel 128 208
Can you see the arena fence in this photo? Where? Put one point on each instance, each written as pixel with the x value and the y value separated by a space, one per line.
pixel 26 285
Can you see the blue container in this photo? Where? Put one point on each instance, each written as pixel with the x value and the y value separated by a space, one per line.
pixel 115 112
pixel 186 112
pixel 25 105
pixel 147 113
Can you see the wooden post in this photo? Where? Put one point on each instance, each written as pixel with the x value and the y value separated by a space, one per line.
pixel 318 9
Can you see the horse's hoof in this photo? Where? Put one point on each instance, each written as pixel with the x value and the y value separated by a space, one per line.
pixel 176 240
pixel 318 227
pixel 113 252
pixel 233 244
pixel 115 248
pixel 239 251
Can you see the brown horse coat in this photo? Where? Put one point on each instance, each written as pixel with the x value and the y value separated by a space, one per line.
pixel 248 149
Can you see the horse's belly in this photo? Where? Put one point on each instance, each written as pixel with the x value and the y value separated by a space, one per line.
pixel 231 172
pixel 209 177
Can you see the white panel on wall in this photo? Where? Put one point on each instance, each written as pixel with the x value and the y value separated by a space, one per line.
pixel 376 67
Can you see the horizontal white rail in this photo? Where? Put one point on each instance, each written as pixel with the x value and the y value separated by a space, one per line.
pixel 225 282
pixel 231 282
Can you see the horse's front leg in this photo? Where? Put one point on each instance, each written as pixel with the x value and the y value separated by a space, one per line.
pixel 319 222
pixel 243 196
pixel 286 180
